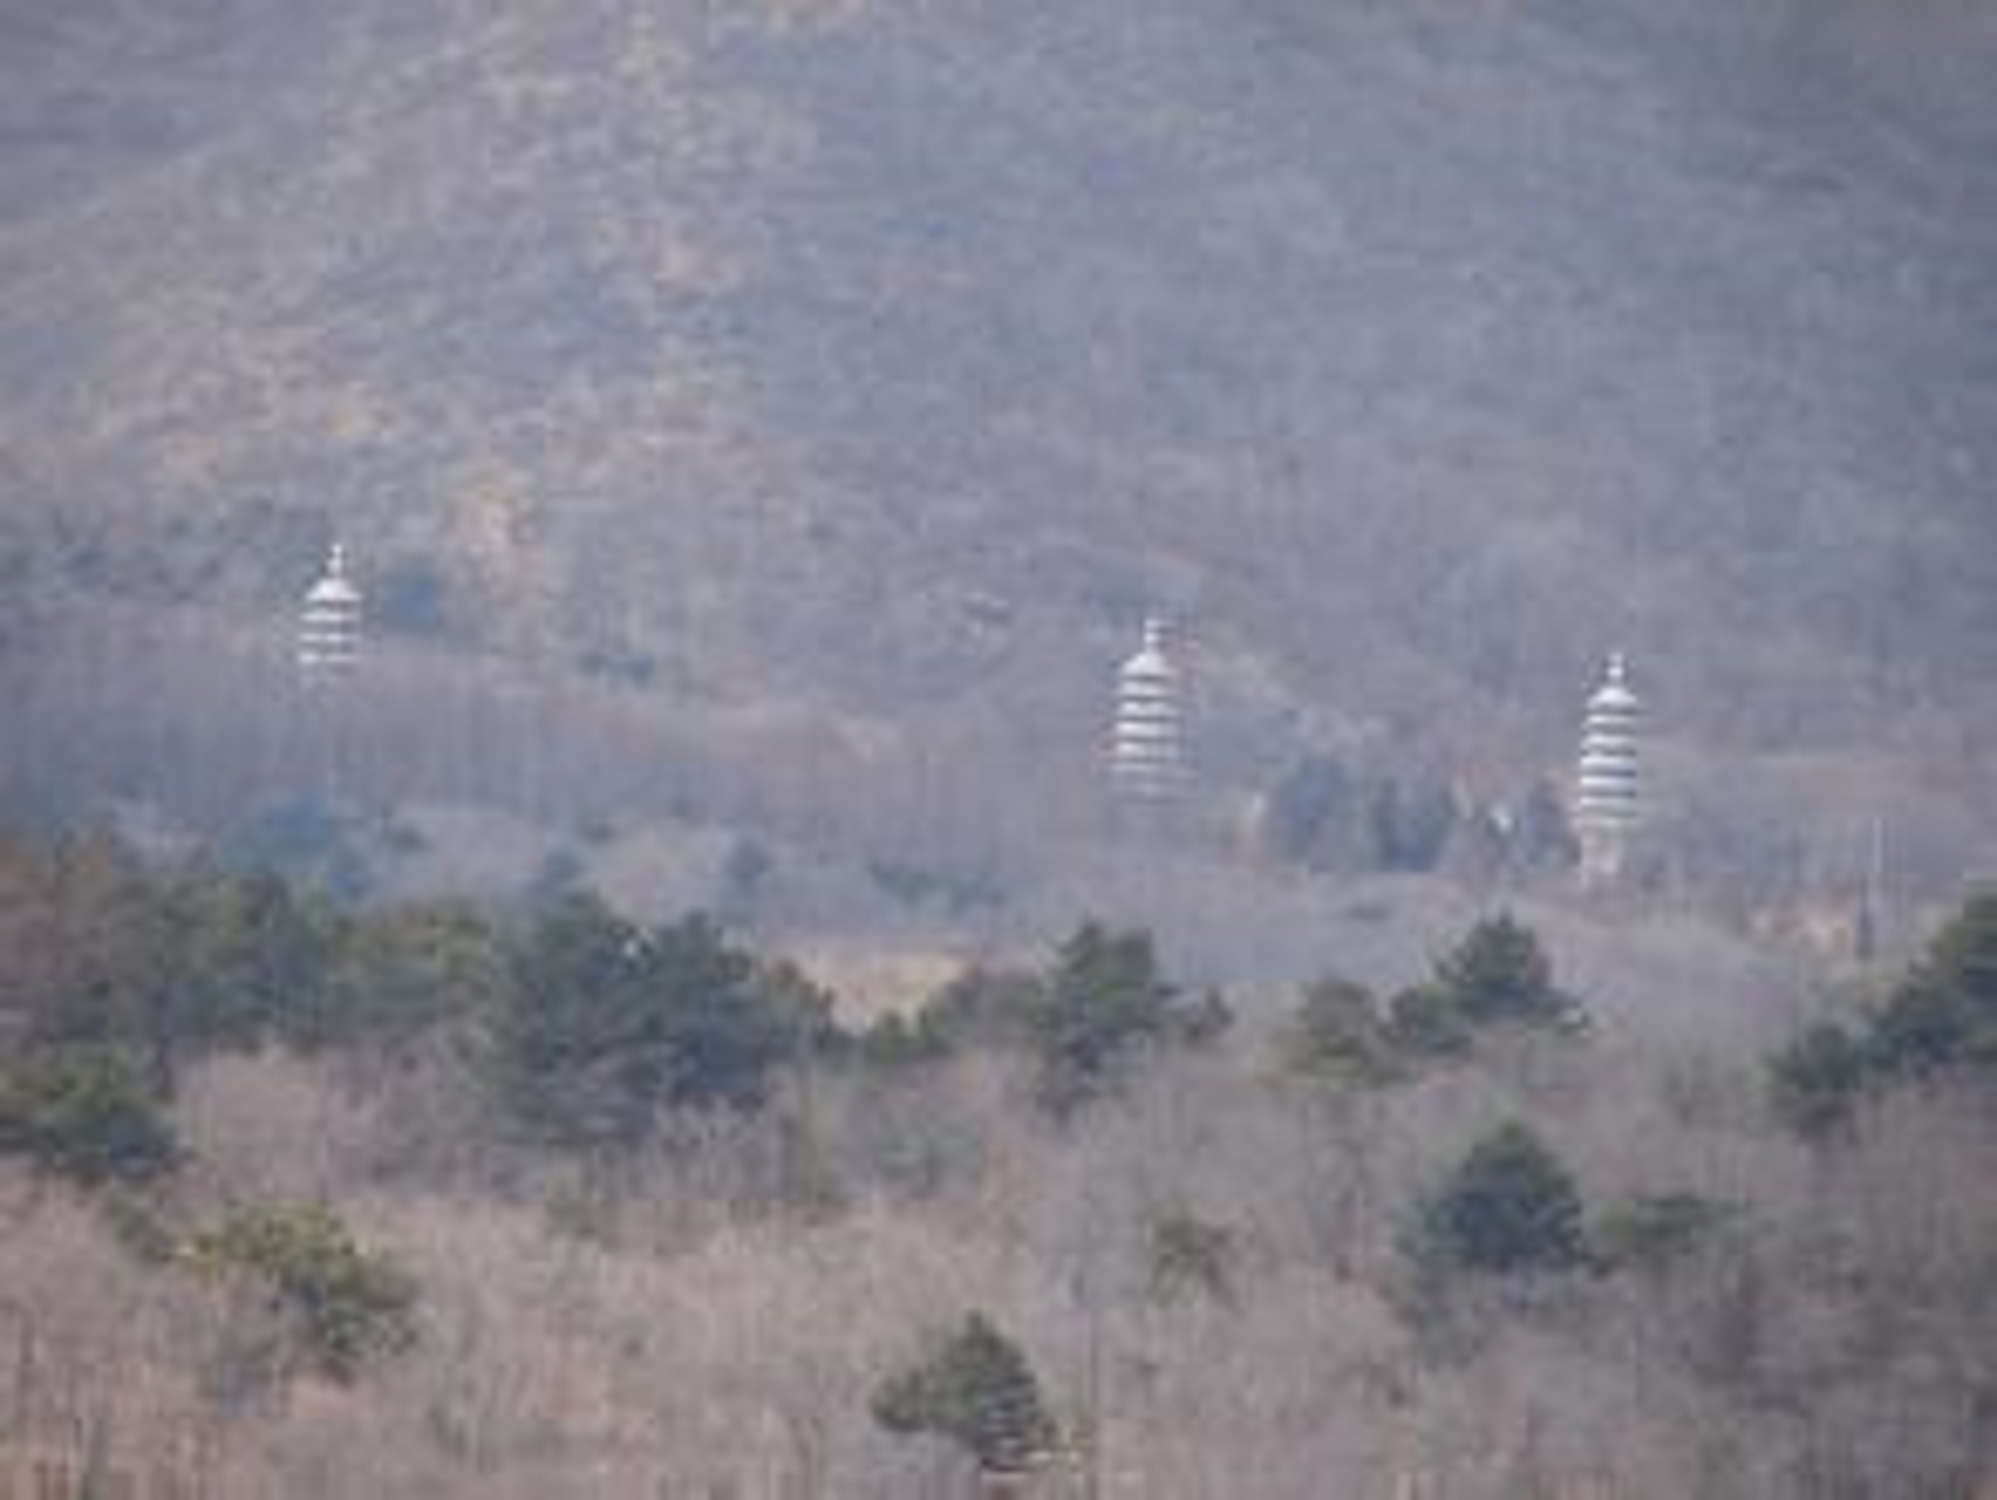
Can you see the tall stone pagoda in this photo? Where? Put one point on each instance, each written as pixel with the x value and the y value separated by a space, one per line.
pixel 1608 802
pixel 1147 764
pixel 329 628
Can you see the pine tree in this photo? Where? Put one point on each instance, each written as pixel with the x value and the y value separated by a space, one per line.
pixel 1499 972
pixel 1945 1011
pixel 1104 996
pixel 83 1114
pixel 976 1390
pixel 1339 1034
pixel 1509 1206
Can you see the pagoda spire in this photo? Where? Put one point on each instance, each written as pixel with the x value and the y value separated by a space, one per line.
pixel 1608 803
pixel 1147 764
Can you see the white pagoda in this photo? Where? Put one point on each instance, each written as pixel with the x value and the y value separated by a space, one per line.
pixel 1608 802
pixel 1147 765
pixel 329 628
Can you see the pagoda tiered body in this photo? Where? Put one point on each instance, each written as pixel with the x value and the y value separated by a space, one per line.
pixel 329 629
pixel 1147 758
pixel 1608 803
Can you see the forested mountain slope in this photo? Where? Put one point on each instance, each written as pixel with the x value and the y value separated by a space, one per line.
pixel 882 362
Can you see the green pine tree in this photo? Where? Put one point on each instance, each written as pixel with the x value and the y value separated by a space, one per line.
pixel 1499 972
pixel 1815 1083
pixel 1339 1034
pixel 976 1390
pixel 345 1303
pixel 83 1114
pixel 1509 1206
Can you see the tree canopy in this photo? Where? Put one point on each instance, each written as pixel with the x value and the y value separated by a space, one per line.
pixel 975 1389
pixel 1509 1205
pixel 1938 1019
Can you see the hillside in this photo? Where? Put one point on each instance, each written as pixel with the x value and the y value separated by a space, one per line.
pixel 860 372
pixel 685 1019
pixel 441 1200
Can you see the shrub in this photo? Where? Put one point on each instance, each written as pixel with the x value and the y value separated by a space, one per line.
pixel 1499 972
pixel 1653 1230
pixel 1426 1021
pixel 1105 997
pixel 83 1115
pixel 976 1390
pixel 344 1303
pixel 1815 1082
pixel 1945 1011
pixel 1191 1255
pixel 1339 1034
pixel 1509 1206
pixel 608 1024
pixel 1941 1016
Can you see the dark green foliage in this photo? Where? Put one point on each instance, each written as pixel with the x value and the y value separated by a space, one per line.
pixel 1410 821
pixel 345 1304
pixel 92 940
pixel 721 1028
pixel 1654 1230
pixel 1544 837
pixel 983 1007
pixel 1942 1016
pixel 892 1042
pixel 728 1019
pixel 1105 993
pixel 592 1025
pixel 83 1114
pixel 136 1224
pixel 1499 972
pixel 976 1390
pixel 580 1046
pixel 1945 1011
pixel 1324 814
pixel 1103 998
pixel 1497 975
pixel 160 964
pixel 306 839
pixel 1198 1022
pixel 1963 955
pixel 1509 1206
pixel 251 959
pixel 1193 1256
pixel 606 1024
pixel 1426 1021
pixel 1923 1028
pixel 1816 1081
pixel 1313 815
pixel 403 971
pixel 1339 1034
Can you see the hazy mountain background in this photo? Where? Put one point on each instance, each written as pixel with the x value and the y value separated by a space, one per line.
pixel 760 427
pixel 800 403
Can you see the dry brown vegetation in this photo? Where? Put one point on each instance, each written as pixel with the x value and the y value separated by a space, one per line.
pixel 1213 1265
pixel 799 404
pixel 759 425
